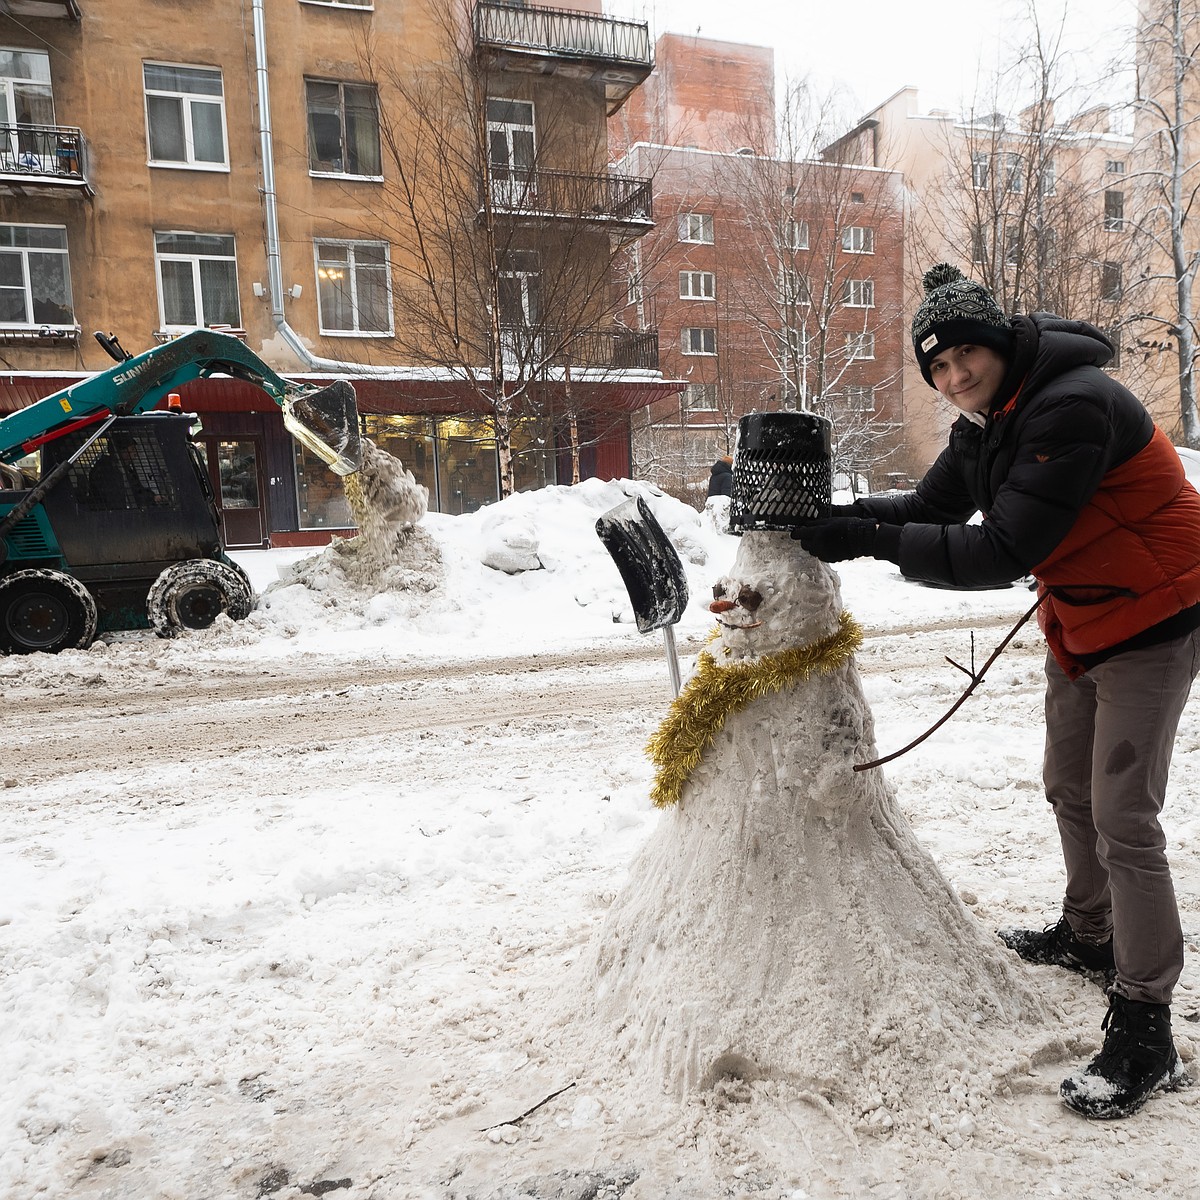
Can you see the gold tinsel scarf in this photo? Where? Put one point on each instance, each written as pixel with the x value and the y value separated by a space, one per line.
pixel 698 712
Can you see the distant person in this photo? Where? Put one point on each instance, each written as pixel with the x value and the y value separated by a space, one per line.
pixel 1078 488
pixel 720 480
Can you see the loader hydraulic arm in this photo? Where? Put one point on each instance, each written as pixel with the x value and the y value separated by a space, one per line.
pixel 325 419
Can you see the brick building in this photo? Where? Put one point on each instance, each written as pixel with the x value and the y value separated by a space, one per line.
pixel 774 281
pixel 1033 205
pixel 260 167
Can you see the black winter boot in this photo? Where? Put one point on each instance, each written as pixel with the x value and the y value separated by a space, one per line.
pixel 1138 1057
pixel 1057 946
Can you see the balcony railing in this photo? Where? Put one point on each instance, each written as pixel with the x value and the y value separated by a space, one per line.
pixel 67 9
pixel 608 199
pixel 47 154
pixel 582 350
pixel 525 38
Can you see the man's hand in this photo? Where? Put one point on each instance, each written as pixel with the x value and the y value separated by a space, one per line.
pixel 838 538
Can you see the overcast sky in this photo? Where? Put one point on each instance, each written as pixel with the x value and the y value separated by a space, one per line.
pixel 874 47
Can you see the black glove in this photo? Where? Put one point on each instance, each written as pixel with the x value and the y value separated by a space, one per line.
pixel 843 510
pixel 838 538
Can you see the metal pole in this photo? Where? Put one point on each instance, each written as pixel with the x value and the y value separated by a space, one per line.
pixel 672 658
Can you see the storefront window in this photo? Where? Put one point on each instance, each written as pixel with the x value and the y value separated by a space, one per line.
pixel 410 439
pixel 321 500
pixel 467 455
pixel 533 456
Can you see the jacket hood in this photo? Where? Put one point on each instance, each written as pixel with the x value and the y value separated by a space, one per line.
pixel 1047 346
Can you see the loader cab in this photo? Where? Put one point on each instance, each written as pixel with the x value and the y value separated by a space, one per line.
pixel 128 538
pixel 134 502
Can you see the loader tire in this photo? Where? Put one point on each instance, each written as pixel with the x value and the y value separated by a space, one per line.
pixel 45 611
pixel 192 594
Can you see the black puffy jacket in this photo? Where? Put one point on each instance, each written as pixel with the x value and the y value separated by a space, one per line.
pixel 1030 470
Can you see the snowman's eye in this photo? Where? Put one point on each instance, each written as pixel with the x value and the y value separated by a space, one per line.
pixel 749 599
pixel 718 591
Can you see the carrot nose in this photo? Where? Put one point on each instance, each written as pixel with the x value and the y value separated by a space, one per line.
pixel 720 606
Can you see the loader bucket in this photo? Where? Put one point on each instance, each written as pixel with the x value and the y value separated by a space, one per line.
pixel 326 421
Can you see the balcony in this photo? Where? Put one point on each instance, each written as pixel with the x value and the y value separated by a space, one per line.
pixel 42 159
pixel 40 335
pixel 67 9
pixel 621 204
pixel 613 53
pixel 582 350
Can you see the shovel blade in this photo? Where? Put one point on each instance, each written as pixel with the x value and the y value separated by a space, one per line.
pixel 326 421
pixel 648 563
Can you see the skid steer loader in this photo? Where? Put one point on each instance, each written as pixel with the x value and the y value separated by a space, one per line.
pixel 120 529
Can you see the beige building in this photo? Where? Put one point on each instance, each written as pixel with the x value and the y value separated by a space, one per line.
pixel 263 168
pixel 1034 207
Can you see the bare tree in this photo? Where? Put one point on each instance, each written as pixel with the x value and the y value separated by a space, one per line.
pixel 506 226
pixel 1166 178
pixel 810 293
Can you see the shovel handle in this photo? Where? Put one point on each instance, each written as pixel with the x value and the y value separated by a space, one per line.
pixel 672 657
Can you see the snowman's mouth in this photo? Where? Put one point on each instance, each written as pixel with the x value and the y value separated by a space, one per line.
pixel 738 624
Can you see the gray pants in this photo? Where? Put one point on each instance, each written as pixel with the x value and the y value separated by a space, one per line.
pixel 1109 739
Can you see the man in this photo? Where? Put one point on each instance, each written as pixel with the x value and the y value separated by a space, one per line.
pixel 720 477
pixel 1078 488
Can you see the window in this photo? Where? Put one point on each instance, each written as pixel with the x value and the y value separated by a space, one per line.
pixel 859 398
pixel 1014 243
pixel 1114 336
pixel 511 149
pixel 980 166
pixel 1115 166
pixel 1014 176
pixel 699 341
pixel 341 3
pixel 520 298
pixel 699 397
pixel 1114 210
pixel 697 285
pixel 979 243
pixel 857 197
pixel 696 227
pixel 1049 177
pixel 858 293
pixel 793 287
pixel 858 240
pixel 520 289
pixel 185 116
pixel 634 293
pixel 860 345
pixel 795 234
pixel 343 128
pixel 197 280
pixel 1110 281
pixel 354 287
pixel 35 276
pixel 25 95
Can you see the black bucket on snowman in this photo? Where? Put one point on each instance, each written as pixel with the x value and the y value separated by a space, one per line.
pixel 782 471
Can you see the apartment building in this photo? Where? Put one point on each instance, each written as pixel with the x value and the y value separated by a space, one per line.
pixel 1035 206
pixel 396 193
pixel 774 282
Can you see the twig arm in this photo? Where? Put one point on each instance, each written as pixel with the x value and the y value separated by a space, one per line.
pixel 976 680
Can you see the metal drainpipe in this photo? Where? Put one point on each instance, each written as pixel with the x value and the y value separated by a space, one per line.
pixel 274 266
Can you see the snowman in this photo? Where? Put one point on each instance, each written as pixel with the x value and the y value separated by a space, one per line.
pixel 783 922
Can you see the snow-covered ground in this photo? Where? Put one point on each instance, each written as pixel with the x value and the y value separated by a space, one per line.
pixel 290 907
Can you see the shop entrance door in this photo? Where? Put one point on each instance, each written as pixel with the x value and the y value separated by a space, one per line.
pixel 235 470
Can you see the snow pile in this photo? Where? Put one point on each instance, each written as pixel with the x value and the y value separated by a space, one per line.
pixel 534 551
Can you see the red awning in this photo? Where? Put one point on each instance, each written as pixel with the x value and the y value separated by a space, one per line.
pixel 379 396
